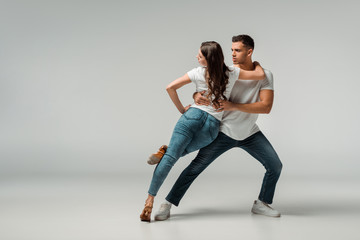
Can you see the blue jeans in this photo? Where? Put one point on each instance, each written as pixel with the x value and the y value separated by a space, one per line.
pixel 194 130
pixel 256 145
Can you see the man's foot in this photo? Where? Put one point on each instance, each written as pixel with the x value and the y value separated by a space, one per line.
pixel 163 213
pixel 156 157
pixel 262 208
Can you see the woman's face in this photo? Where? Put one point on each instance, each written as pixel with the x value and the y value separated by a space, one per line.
pixel 201 59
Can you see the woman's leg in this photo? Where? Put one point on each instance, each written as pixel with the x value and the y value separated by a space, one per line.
pixel 146 213
pixel 188 125
pixel 204 136
pixel 194 121
pixel 201 138
pixel 177 145
pixel 179 140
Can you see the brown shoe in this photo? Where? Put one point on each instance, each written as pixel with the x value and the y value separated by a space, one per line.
pixel 146 213
pixel 156 157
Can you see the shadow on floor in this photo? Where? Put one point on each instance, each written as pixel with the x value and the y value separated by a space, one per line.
pixel 322 208
pixel 319 208
pixel 210 212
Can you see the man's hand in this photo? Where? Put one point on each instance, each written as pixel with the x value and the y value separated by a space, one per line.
pixel 199 99
pixel 226 106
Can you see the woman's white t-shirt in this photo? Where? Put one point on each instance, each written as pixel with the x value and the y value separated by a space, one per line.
pixel 197 76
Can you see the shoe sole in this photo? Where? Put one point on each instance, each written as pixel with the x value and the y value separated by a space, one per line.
pixel 277 215
pixel 145 220
pixel 162 218
pixel 153 160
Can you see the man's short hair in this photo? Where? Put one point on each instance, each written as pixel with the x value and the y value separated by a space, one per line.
pixel 245 39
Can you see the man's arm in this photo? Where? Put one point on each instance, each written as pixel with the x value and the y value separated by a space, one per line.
pixel 262 106
pixel 199 99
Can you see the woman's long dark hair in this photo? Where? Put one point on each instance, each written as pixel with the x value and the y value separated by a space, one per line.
pixel 217 72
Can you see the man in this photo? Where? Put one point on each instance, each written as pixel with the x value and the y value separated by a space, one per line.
pixel 238 129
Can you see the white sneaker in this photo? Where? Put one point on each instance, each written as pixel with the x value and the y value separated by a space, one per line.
pixel 163 213
pixel 262 208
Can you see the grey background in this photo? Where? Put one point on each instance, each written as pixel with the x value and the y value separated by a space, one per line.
pixel 82 83
pixel 83 104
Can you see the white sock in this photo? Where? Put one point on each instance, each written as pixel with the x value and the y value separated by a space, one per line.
pixel 168 203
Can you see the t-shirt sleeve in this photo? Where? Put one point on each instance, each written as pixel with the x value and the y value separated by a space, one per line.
pixel 193 74
pixel 234 73
pixel 268 83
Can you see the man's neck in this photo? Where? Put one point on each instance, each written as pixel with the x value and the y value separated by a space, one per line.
pixel 248 65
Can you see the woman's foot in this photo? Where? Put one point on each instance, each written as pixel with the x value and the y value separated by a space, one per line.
pixel 146 213
pixel 155 158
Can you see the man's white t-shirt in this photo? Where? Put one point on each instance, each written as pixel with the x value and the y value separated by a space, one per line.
pixel 240 125
pixel 197 76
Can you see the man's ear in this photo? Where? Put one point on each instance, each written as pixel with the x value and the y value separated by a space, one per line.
pixel 250 51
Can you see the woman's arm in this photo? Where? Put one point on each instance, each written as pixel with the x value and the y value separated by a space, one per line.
pixel 257 74
pixel 171 89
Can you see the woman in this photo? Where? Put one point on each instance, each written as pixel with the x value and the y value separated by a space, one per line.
pixel 199 125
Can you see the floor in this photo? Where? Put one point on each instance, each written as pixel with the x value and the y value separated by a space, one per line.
pixel 108 207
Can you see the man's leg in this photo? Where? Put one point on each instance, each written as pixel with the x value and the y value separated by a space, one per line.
pixel 260 148
pixel 204 158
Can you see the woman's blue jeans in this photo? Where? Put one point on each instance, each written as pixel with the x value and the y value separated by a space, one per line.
pixel 194 130
pixel 256 145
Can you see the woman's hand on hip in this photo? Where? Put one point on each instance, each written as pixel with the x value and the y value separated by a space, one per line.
pixel 186 108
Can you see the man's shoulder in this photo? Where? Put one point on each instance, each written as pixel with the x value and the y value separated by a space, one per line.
pixel 234 72
pixel 232 68
pixel 267 72
pixel 269 75
pixel 268 82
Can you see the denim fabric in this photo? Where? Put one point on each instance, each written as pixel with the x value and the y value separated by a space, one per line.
pixel 256 145
pixel 194 130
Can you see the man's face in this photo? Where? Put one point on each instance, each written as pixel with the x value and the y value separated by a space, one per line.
pixel 240 53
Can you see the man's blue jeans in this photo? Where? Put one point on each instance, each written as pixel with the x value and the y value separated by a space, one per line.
pixel 256 145
pixel 194 130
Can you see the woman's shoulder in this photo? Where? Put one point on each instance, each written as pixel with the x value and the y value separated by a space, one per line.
pixel 196 73
pixel 199 69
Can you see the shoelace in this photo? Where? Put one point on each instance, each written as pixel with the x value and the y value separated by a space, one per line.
pixel 164 207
